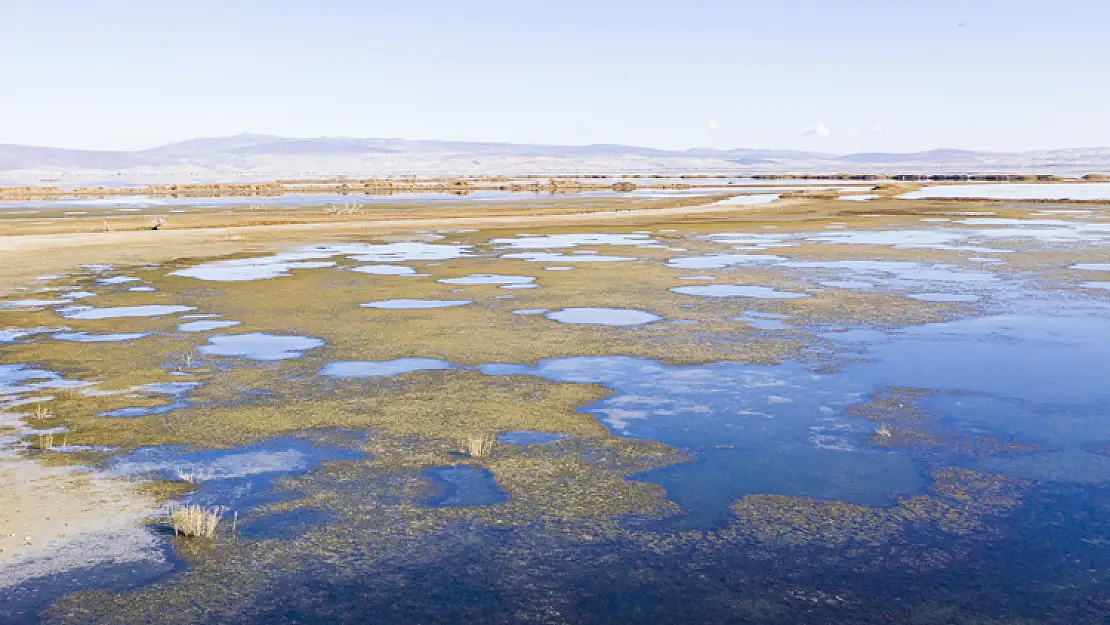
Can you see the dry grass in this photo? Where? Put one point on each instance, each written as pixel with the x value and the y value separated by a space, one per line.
pixel 45 442
pixel 345 209
pixel 41 411
pixel 192 476
pixel 478 446
pixel 195 521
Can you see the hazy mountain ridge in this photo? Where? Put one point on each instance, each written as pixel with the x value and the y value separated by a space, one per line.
pixel 256 156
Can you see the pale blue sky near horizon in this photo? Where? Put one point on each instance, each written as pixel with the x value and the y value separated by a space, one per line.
pixel 843 76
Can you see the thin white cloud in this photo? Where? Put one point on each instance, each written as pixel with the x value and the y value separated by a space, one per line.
pixel 876 128
pixel 713 125
pixel 820 130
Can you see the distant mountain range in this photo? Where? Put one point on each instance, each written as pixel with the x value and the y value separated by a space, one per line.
pixel 256 157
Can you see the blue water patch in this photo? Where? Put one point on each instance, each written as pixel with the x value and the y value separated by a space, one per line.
pixel 464 487
pixel 249 269
pixel 603 316
pixel 238 477
pixel 382 368
pixel 491 278
pixel 122 312
pixel 737 290
pixel 386 270
pixel 16 379
pixel 1034 357
pixel 259 346
pixel 526 438
pixel 402 304
pixel 141 411
pixel 944 297
pixel 116 280
pixel 205 326
pixel 716 478
pixel 85 337
pixel 737 416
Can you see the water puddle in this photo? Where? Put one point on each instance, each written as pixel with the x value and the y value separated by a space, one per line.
pixel 18 379
pixel 738 290
pixel 143 411
pixel 174 389
pixel 603 316
pixel 122 312
pixel 249 269
pixel 398 252
pixel 527 438
pixel 32 303
pixel 386 270
pixel 205 326
pixel 116 280
pixel 403 304
pixel 464 487
pixel 85 337
pixel 723 261
pixel 239 478
pixel 554 257
pixel 11 335
pixel 556 241
pixel 259 346
pixel 530 311
pixel 492 278
pixel 383 368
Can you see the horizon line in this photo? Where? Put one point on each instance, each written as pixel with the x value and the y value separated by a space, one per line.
pixel 556 145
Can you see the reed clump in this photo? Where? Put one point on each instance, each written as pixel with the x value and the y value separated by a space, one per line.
pixel 195 521
pixel 478 446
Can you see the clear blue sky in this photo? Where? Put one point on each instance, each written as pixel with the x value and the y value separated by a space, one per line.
pixel 893 75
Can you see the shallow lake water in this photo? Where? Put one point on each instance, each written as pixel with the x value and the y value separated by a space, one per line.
pixel 1021 191
pixel 890 420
